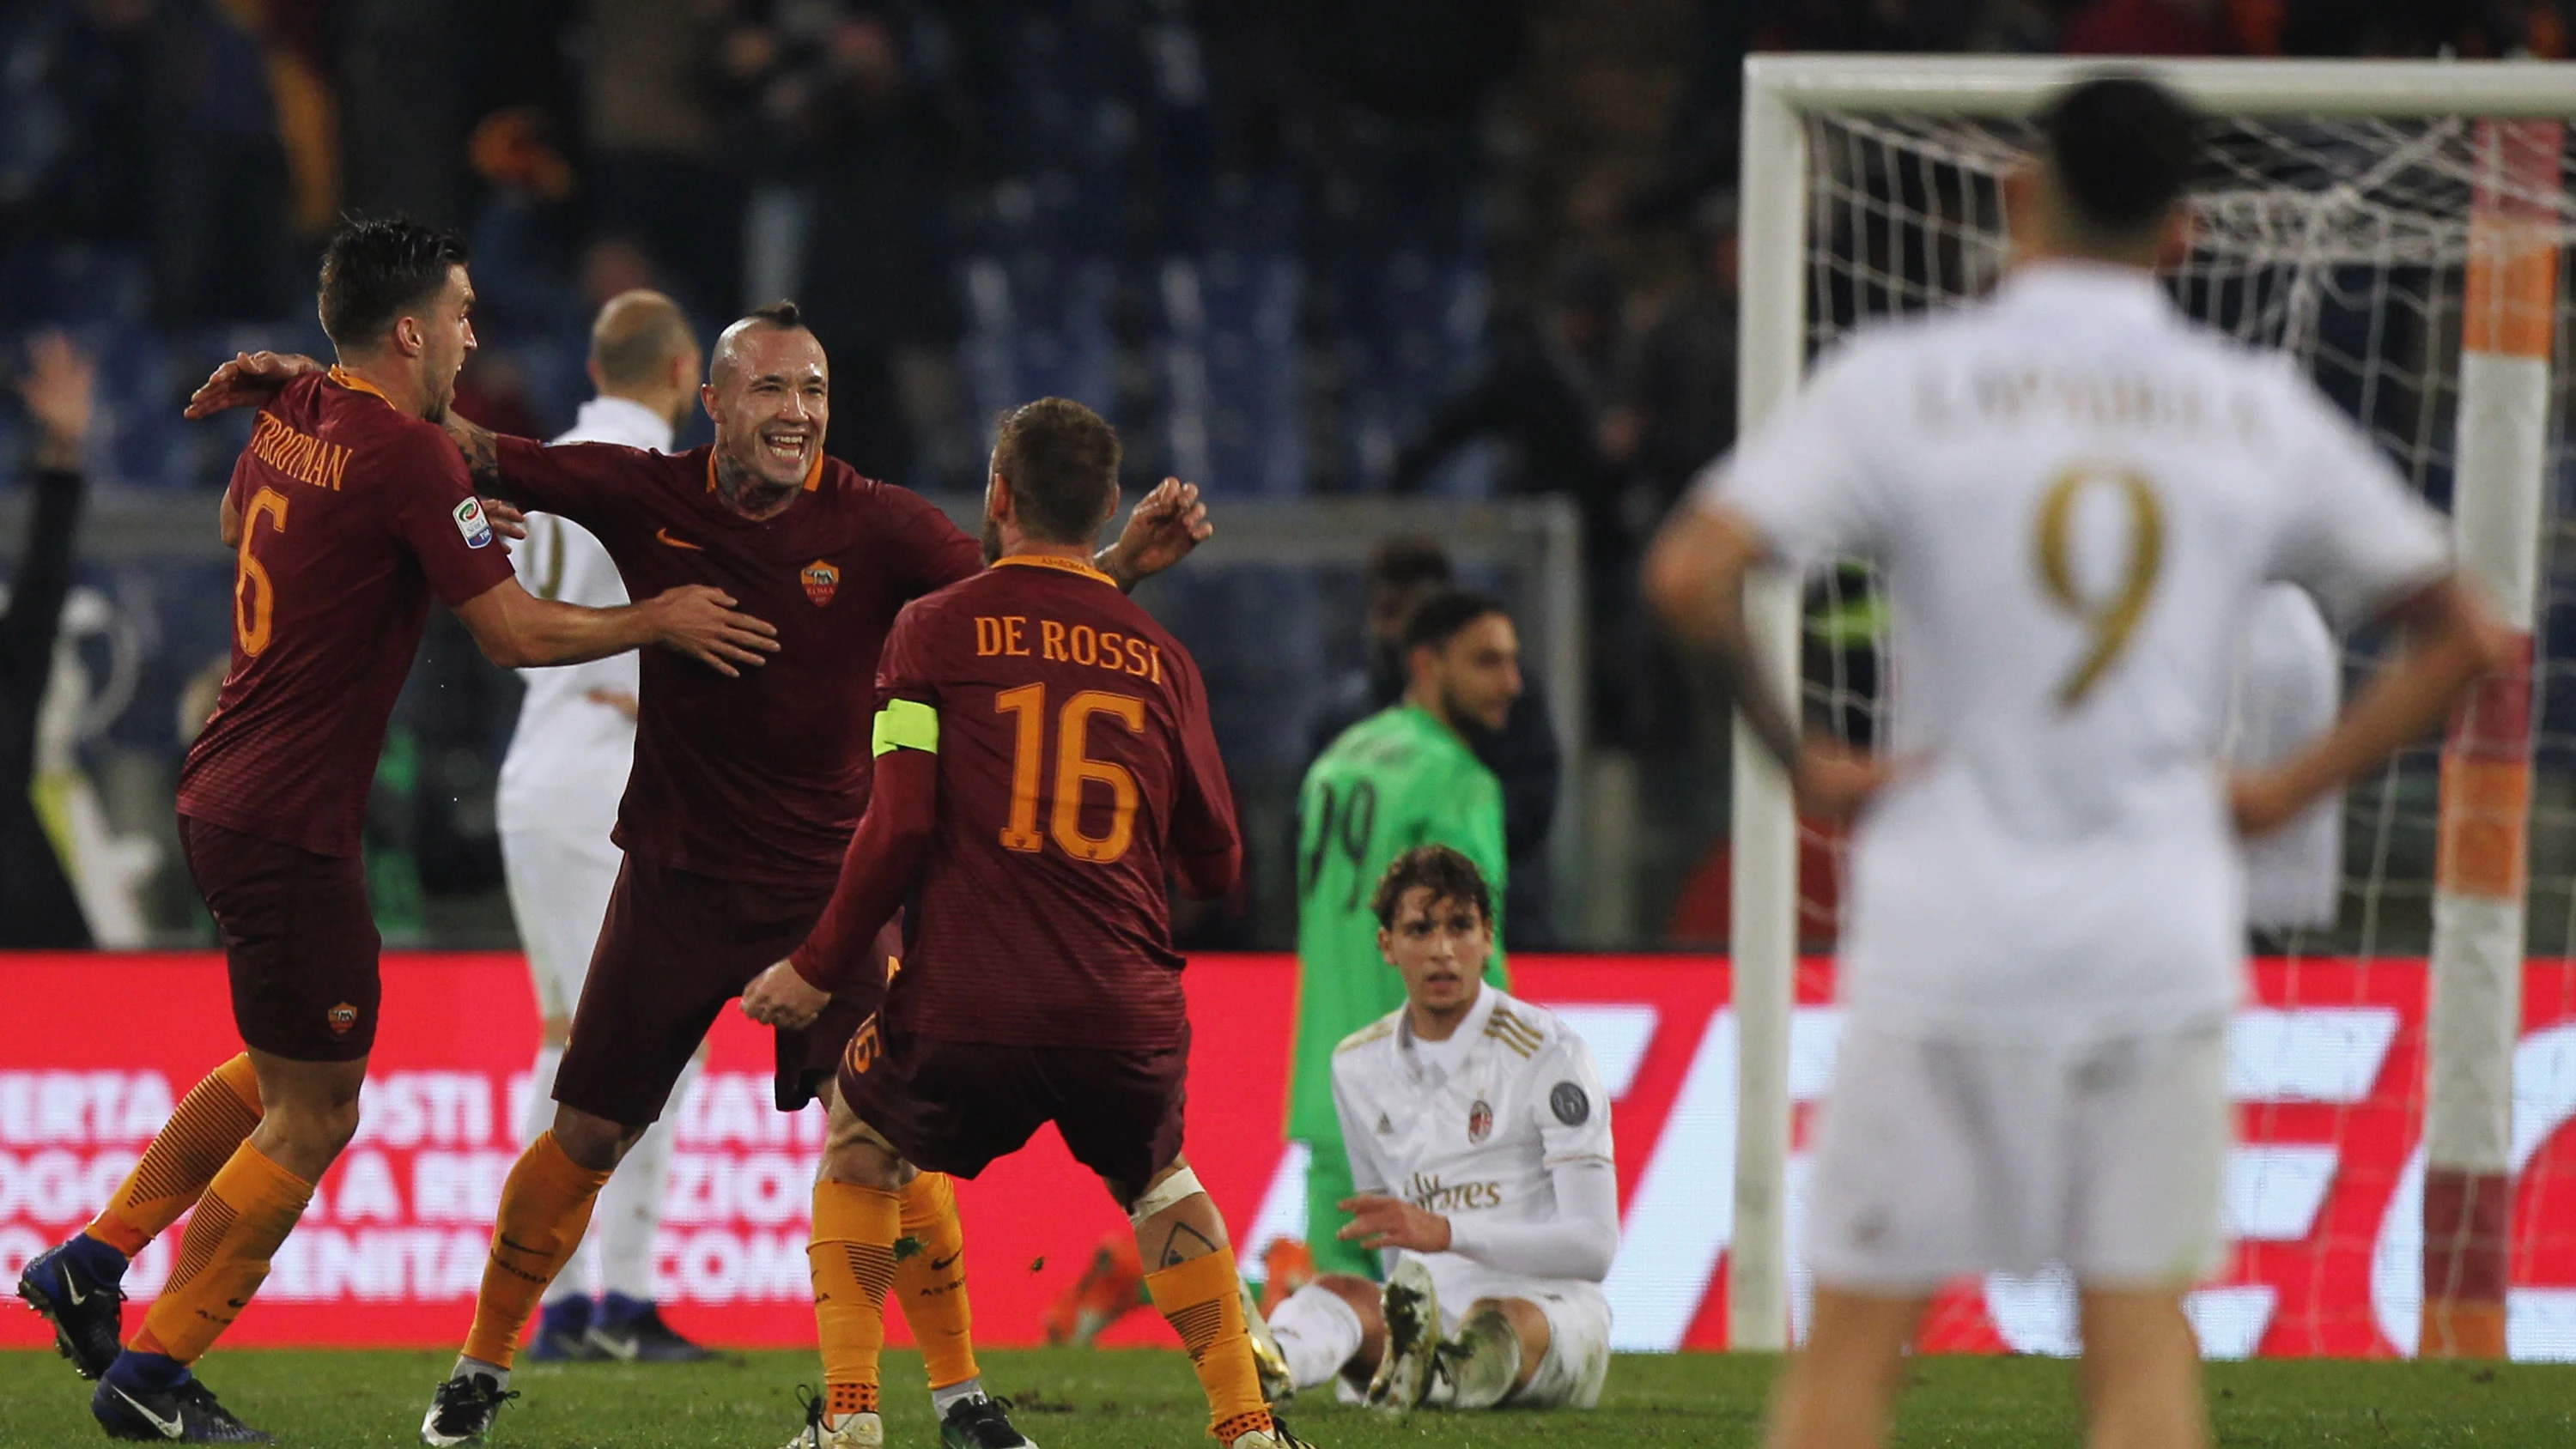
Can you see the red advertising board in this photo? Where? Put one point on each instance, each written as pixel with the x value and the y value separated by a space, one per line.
pixel 2327 1064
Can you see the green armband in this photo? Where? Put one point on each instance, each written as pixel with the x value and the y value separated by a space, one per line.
pixel 907 724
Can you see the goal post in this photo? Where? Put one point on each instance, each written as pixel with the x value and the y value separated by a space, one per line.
pixel 2327 184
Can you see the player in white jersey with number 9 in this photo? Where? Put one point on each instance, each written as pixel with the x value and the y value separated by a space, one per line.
pixel 1479 1142
pixel 2075 496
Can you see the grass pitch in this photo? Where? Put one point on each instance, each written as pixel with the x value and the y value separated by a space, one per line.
pixel 1078 1399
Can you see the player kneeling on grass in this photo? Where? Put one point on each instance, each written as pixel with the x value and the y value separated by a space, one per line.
pixel 1487 1115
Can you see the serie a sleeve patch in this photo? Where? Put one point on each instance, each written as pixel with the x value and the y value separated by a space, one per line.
pixel 907 724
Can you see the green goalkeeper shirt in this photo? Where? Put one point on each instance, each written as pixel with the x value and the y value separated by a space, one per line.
pixel 1398 779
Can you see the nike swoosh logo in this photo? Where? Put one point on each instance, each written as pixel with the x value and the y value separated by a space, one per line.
pixel 170 1428
pixel 71 1288
pixel 940 1265
pixel 664 535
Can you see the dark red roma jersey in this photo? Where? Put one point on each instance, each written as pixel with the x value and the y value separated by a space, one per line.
pixel 762 777
pixel 354 515
pixel 1076 768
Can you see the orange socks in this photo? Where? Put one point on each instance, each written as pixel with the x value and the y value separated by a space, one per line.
pixel 930 1279
pixel 184 1156
pixel 1204 1303
pixel 852 1256
pixel 245 1212
pixel 545 1206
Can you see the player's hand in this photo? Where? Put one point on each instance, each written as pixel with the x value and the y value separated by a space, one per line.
pixel 58 388
pixel 1391 1222
pixel 250 379
pixel 616 699
pixel 780 997
pixel 1160 533
pixel 507 519
pixel 699 622
pixel 2261 803
pixel 1834 783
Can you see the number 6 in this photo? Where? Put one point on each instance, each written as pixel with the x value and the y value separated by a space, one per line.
pixel 2111 620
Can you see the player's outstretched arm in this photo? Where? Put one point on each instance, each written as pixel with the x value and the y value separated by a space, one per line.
pixel 1694 578
pixel 876 873
pixel 1167 524
pixel 249 380
pixel 2451 640
pixel 518 630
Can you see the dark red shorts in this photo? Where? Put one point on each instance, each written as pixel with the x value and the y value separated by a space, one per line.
pixel 676 949
pixel 807 1059
pixel 952 1106
pixel 299 941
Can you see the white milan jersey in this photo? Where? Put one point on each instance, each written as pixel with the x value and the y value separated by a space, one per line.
pixel 2075 495
pixel 1480 1140
pixel 570 754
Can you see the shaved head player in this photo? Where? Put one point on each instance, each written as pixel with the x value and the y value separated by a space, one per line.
pixel 349 512
pixel 741 802
pixel 1043 754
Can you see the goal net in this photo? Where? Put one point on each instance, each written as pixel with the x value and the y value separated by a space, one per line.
pixel 2344 241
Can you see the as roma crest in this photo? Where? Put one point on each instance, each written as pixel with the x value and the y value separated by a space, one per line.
pixel 821 581
pixel 1480 1121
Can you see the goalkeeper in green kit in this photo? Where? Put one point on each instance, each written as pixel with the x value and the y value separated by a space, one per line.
pixel 1400 778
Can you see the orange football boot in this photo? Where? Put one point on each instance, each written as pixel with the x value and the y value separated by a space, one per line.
pixel 1108 1289
pixel 1286 1266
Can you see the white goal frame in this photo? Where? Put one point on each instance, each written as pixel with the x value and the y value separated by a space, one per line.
pixel 2495 531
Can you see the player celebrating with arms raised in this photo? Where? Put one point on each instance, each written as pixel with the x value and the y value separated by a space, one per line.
pixel 2076 497
pixel 349 512
pixel 1043 754
pixel 1479 1140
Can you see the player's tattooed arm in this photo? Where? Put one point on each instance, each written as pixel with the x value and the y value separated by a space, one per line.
pixel 1166 525
pixel 482 450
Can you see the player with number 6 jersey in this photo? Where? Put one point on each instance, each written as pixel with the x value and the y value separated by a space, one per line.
pixel 348 513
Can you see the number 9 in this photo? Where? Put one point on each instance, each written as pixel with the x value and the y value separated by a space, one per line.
pixel 2111 620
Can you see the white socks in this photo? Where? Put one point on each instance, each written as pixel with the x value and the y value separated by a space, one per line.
pixel 1318 1332
pixel 940 1399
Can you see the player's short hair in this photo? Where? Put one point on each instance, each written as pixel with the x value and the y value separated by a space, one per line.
pixel 1448 875
pixel 2121 148
pixel 782 313
pixel 636 335
pixel 1401 565
pixel 1441 615
pixel 375 269
pixel 1060 460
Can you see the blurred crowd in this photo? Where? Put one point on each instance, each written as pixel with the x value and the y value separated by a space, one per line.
pixel 1461 248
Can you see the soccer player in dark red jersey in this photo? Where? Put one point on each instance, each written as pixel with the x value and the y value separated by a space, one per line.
pixel 742 799
pixel 349 512
pixel 1043 755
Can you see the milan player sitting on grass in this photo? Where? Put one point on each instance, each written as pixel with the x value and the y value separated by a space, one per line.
pixel 1479 1142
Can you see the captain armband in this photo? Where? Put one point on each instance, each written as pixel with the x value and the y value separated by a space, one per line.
pixel 907 724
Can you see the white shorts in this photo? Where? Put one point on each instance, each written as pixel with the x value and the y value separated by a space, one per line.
pixel 1936 1158
pixel 559 888
pixel 1578 1329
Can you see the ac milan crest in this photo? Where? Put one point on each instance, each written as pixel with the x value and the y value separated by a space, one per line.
pixel 1480 1121
pixel 821 580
